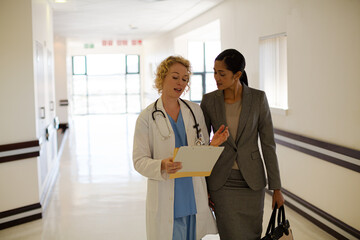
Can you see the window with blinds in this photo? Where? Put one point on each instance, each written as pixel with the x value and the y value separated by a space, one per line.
pixel 273 70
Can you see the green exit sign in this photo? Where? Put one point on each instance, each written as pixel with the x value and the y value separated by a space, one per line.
pixel 88 45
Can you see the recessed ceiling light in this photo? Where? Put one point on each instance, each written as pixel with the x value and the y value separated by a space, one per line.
pixel 132 27
pixel 60 1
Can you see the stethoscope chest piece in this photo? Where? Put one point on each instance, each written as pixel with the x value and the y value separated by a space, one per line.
pixel 199 139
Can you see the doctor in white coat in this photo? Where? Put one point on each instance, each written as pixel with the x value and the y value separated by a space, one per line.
pixel 154 143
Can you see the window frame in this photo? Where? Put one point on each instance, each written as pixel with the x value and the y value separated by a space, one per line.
pixel 73 67
pixel 203 73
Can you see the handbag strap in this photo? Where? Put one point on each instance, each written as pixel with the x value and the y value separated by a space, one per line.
pixel 281 215
pixel 283 221
pixel 271 225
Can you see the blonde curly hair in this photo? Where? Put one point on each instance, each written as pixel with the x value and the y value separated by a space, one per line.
pixel 163 69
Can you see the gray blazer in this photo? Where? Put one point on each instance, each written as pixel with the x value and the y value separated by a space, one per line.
pixel 255 120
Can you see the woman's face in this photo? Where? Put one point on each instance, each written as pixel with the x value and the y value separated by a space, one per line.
pixel 175 81
pixel 224 78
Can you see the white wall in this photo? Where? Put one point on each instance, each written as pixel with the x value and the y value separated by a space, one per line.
pixel 27 83
pixel 323 85
pixel 61 78
pixel 155 50
pixel 18 184
pixel 42 25
pixel 19 179
pixel 16 74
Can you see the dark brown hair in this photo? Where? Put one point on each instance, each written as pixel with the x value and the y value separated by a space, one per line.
pixel 234 62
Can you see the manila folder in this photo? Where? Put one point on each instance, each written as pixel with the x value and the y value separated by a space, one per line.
pixel 196 160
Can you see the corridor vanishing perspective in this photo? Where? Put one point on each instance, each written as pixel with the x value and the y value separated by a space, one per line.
pixel 98 194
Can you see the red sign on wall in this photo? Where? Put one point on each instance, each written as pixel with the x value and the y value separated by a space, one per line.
pixel 121 42
pixel 136 42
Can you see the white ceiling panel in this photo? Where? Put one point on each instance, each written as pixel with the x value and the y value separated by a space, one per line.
pixel 86 19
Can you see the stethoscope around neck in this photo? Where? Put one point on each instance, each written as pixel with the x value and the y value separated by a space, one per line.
pixel 198 141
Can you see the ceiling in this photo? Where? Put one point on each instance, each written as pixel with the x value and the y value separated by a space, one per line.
pixel 127 19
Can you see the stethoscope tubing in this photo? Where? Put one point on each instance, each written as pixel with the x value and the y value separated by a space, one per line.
pixel 196 126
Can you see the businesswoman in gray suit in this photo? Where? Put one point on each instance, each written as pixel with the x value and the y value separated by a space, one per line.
pixel 237 182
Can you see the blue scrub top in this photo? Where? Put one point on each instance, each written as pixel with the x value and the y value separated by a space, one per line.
pixel 184 199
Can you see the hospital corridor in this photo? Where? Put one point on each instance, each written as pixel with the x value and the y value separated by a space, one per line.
pixel 281 76
pixel 99 195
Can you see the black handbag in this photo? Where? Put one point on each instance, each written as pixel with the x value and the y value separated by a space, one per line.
pixel 282 230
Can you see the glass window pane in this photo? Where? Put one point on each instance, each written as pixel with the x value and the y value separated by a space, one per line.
pixel 282 92
pixel 114 84
pixel 133 83
pixel 268 65
pixel 79 65
pixel 79 85
pixel 132 63
pixel 196 89
pixel 210 83
pixel 196 56
pixel 106 64
pixel 79 105
pixel 212 49
pixel 273 70
pixel 107 104
pixel 133 102
pixel 107 89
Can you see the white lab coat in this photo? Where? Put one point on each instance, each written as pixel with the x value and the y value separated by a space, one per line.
pixel 149 149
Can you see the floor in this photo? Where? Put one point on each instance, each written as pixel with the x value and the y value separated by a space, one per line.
pixel 99 195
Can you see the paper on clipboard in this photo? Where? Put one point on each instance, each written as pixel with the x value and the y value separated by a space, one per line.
pixel 196 160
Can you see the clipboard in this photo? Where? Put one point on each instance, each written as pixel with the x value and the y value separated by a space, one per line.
pixel 197 161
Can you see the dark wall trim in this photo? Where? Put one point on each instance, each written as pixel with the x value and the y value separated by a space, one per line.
pixel 332 150
pixel 15 146
pixel 345 227
pixel 20 220
pixel 63 102
pixel 20 210
pixel 322 214
pixel 329 146
pixel 19 151
pixel 19 157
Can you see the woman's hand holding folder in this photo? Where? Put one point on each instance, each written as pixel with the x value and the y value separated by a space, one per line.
pixel 170 166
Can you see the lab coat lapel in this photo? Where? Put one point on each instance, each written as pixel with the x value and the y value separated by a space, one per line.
pixel 245 111
pixel 220 113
